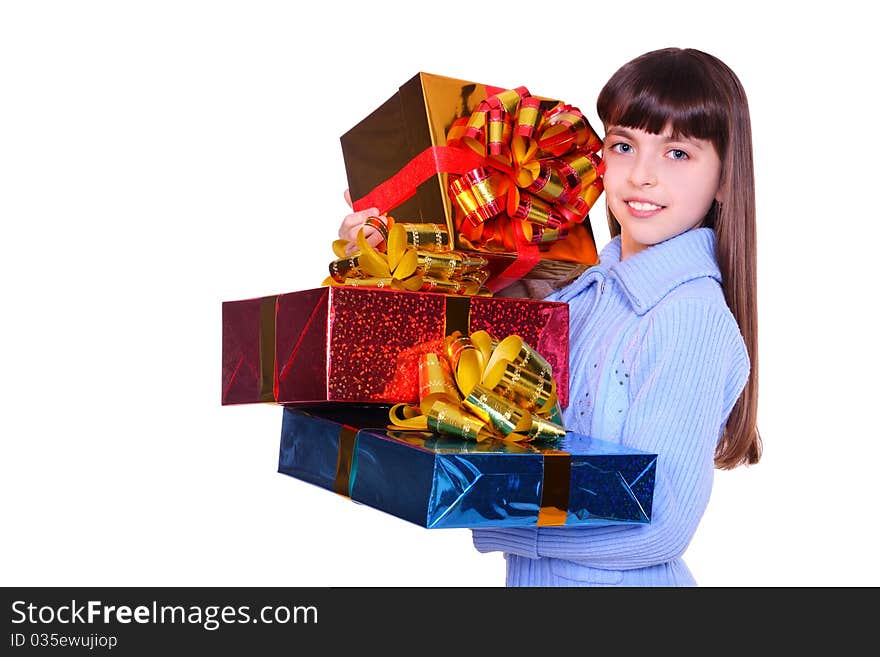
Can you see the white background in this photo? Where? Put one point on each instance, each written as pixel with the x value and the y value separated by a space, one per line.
pixel 158 158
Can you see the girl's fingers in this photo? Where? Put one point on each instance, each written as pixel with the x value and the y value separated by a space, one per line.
pixel 350 223
pixel 373 237
pixel 353 222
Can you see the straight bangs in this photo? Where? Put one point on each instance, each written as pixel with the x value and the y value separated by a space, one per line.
pixel 667 88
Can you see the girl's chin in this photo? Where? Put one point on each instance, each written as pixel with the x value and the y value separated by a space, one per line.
pixel 639 235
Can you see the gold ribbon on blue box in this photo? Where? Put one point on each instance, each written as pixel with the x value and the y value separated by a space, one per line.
pixel 442 481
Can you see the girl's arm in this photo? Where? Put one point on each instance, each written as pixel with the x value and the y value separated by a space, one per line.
pixel 692 367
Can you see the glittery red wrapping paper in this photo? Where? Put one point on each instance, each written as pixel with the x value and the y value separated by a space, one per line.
pixel 338 344
pixel 241 351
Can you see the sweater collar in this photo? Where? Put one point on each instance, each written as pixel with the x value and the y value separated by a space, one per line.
pixel 651 274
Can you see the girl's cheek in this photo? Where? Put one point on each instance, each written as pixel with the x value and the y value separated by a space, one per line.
pixel 612 165
pixel 613 173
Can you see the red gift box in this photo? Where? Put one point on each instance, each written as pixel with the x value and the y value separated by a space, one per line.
pixel 349 344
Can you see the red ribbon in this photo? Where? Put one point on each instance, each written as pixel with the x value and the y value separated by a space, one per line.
pixel 402 185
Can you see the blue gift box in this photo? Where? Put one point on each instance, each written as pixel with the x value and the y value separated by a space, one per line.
pixel 439 481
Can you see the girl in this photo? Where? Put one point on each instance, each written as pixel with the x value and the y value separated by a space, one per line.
pixel 663 343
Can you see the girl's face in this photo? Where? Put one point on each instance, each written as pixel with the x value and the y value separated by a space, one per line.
pixel 655 186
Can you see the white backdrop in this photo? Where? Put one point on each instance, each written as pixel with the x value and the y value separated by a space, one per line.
pixel 158 158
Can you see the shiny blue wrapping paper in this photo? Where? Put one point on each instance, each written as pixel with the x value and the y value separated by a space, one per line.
pixel 439 481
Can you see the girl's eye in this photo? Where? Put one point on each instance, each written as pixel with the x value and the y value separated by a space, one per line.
pixel 678 154
pixel 621 147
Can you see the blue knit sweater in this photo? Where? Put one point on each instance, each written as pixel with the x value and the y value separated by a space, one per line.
pixel 656 362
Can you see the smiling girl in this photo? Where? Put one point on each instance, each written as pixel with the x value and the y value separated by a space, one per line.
pixel 663 331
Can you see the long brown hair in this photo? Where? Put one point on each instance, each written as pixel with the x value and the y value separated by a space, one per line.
pixel 698 96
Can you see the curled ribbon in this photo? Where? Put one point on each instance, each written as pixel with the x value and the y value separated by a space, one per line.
pixel 540 174
pixel 478 388
pixel 415 257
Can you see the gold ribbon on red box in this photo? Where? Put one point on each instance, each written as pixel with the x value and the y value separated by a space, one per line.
pixel 540 174
pixel 477 387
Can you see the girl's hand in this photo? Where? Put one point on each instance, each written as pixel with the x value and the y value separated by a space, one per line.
pixel 353 222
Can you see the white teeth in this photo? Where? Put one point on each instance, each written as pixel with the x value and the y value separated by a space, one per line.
pixel 643 207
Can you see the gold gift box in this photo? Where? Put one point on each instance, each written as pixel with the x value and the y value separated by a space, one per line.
pixel 413 120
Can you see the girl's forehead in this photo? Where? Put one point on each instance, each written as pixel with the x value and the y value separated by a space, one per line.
pixel 667 133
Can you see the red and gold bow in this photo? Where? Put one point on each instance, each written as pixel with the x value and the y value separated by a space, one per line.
pixel 541 172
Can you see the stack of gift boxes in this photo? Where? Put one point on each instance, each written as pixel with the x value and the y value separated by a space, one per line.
pixel 407 382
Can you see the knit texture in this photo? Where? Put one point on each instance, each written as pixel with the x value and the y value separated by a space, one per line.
pixel 656 362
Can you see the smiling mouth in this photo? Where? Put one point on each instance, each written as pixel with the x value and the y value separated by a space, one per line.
pixel 641 206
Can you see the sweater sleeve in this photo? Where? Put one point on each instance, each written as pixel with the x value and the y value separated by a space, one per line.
pixel 691 366
pixel 544 283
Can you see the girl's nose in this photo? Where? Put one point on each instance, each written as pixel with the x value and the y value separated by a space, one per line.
pixel 642 173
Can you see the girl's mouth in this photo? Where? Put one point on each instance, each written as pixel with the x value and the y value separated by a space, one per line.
pixel 643 209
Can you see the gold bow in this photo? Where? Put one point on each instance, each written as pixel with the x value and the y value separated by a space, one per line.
pixel 480 388
pixel 411 257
